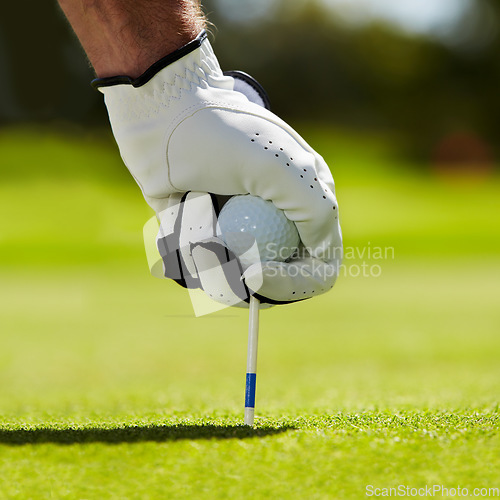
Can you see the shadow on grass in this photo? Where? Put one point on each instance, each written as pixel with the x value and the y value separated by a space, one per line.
pixel 134 434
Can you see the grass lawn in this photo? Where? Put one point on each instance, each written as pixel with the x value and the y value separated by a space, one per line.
pixel 111 388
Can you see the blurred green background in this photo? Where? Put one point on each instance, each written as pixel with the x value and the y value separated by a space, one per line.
pixel 424 70
pixel 402 100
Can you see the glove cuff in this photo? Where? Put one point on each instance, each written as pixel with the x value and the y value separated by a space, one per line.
pixel 153 69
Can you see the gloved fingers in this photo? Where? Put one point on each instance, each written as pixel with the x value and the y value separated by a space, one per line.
pixel 198 223
pixel 220 275
pixel 219 272
pixel 189 218
pixel 195 258
pixel 284 282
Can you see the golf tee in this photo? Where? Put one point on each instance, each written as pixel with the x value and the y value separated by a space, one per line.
pixel 251 376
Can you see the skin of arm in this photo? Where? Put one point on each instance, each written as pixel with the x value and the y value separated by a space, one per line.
pixel 125 37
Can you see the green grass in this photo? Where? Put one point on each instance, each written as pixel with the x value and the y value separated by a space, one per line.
pixel 112 389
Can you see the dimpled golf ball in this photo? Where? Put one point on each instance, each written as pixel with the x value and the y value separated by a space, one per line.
pixel 255 230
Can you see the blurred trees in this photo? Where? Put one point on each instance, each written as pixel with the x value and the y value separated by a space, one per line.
pixel 314 67
pixel 44 73
pixel 317 68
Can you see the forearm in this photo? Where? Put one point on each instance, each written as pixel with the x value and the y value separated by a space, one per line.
pixel 125 37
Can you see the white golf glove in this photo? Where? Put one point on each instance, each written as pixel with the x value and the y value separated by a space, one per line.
pixel 185 126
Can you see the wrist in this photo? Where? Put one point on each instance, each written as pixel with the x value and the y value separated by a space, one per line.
pixel 132 53
pixel 123 37
pixel 152 70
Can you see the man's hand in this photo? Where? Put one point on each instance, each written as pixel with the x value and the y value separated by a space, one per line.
pixel 181 126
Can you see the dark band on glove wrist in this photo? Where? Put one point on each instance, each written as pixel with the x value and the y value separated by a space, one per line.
pixel 153 69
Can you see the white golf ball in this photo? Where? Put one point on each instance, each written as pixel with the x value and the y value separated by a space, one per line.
pixel 255 230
